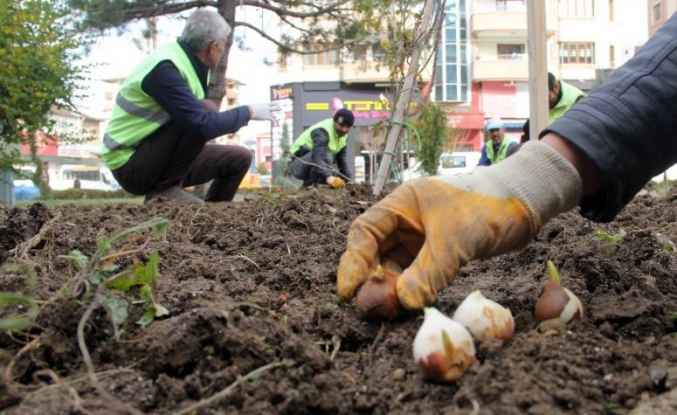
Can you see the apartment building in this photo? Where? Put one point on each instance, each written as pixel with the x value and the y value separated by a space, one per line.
pixel 583 37
pixel 658 11
pixel 482 66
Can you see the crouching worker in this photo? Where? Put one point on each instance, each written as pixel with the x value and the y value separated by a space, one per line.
pixel 317 148
pixel 155 143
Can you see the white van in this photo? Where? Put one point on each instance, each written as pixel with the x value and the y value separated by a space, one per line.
pixel 84 177
pixel 450 163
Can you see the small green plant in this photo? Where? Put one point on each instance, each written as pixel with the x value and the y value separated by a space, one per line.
pixel 610 239
pixel 99 282
pixel 28 307
pixel 610 408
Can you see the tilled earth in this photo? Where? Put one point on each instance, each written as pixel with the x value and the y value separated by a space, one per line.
pixel 252 286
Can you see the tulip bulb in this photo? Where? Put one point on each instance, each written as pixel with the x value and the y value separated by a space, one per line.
pixel 443 348
pixel 486 319
pixel 557 306
pixel 377 298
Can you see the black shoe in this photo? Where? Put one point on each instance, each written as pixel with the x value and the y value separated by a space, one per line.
pixel 174 193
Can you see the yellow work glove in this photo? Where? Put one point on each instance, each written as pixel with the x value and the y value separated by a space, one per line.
pixel 434 225
pixel 335 182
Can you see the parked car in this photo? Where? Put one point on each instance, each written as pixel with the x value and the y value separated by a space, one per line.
pixel 450 163
pixel 25 190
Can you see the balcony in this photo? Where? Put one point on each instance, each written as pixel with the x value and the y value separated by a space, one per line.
pixel 513 67
pixel 507 23
pixel 363 72
pixel 501 68
pixel 366 72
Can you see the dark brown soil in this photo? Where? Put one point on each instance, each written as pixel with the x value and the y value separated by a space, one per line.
pixel 252 284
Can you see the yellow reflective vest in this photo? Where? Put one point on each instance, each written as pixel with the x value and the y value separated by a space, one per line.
pixel 136 115
pixel 335 144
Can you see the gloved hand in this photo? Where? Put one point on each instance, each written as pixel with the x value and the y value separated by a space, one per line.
pixel 434 225
pixel 335 182
pixel 263 111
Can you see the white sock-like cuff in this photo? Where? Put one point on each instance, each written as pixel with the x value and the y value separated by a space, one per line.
pixel 542 178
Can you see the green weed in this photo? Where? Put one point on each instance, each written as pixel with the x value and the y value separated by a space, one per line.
pixel 27 306
pixel 610 239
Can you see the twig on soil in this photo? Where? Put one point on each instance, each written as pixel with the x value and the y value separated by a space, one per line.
pixel 34 344
pixel 100 375
pixel 75 396
pixel 81 338
pixel 225 392
pixel 21 251
pixel 376 340
pixel 336 342
pixel 475 407
pixel 244 257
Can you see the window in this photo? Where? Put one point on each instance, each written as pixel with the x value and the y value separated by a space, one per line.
pixel 656 12
pixel 577 8
pixel 325 55
pixel 360 53
pixel 510 5
pixel 577 53
pixel 453 162
pixel 510 51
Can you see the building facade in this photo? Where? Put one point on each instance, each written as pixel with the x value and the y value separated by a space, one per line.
pixel 658 11
pixel 482 67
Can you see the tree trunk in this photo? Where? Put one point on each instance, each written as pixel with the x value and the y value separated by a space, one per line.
pixel 217 83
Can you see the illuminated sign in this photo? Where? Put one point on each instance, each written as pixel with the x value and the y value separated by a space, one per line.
pixel 282 93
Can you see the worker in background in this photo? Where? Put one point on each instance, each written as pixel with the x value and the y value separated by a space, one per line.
pixel 496 148
pixel 155 143
pixel 320 153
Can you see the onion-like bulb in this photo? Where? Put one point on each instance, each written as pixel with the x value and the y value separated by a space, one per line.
pixel 485 318
pixel 557 306
pixel 443 348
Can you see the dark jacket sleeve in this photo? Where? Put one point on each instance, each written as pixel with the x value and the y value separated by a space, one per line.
pixel 627 125
pixel 320 142
pixel 342 163
pixel 484 160
pixel 166 85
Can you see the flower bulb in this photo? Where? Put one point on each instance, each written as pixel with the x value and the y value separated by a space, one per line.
pixel 486 319
pixel 443 348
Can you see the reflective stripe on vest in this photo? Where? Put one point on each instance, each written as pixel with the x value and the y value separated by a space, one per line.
pixel 131 108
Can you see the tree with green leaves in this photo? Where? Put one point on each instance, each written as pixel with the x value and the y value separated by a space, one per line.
pixel 433 130
pixel 38 70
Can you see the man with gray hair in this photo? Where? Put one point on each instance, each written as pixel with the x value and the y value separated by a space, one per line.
pixel 155 143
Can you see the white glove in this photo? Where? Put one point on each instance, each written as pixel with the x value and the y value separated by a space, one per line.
pixel 264 111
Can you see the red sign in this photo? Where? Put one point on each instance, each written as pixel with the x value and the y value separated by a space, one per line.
pixel 498 99
pixel 465 120
pixel 45 145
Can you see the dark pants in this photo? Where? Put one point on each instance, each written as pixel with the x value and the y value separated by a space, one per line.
pixel 170 157
pixel 304 169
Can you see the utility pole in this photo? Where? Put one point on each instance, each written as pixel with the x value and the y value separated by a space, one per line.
pixel 538 67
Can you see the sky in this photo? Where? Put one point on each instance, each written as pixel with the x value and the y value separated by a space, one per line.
pixel 116 55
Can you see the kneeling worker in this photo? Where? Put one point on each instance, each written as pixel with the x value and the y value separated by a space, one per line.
pixel 315 150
